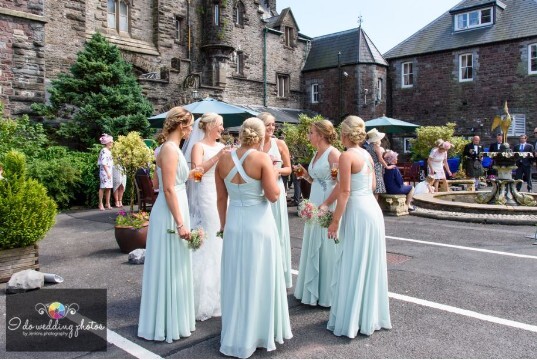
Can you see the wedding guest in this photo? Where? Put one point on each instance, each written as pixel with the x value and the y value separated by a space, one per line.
pixel 318 254
pixel 203 151
pixel 425 186
pixel 523 171
pixel 254 298
pixel 394 180
pixel 495 147
pixel 374 138
pixel 279 153
pixel 437 162
pixel 473 155
pixel 360 301
pixel 119 180
pixel 106 163
pixel 167 305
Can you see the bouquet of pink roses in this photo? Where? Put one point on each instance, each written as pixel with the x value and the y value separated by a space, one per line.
pixel 324 217
pixel 197 237
pixel 307 210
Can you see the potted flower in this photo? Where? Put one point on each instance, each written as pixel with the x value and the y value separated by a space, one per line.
pixel 131 153
pixel 27 213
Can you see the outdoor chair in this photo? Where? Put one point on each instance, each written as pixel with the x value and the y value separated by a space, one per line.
pixel 146 194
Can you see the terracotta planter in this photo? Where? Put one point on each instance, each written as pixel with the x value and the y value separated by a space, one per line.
pixel 18 259
pixel 129 238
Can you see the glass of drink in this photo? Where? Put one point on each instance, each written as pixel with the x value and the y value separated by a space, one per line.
pixel 299 171
pixel 334 170
pixel 198 174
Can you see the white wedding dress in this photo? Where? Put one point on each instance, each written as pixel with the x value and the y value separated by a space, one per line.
pixel 206 260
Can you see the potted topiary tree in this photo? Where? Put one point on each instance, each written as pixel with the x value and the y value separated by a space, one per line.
pixel 131 153
pixel 27 214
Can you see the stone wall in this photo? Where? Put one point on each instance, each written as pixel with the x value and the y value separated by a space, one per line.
pixel 354 101
pixel 22 65
pixel 437 97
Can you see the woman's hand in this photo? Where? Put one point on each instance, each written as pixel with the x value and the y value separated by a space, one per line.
pixel 109 175
pixel 323 207
pixel 389 167
pixel 333 229
pixel 183 233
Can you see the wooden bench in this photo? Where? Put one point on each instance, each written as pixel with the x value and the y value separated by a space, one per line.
pixel 468 184
pixel 393 205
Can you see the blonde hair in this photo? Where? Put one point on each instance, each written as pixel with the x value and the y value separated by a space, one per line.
pixel 353 127
pixel 176 116
pixel 438 142
pixel 208 120
pixel 252 131
pixel 326 129
pixel 266 116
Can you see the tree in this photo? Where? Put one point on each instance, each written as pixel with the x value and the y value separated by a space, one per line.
pixel 99 95
pixel 427 136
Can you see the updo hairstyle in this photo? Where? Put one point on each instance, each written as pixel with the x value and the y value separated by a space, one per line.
pixel 252 131
pixel 438 142
pixel 326 129
pixel 353 127
pixel 266 116
pixel 209 120
pixel 176 116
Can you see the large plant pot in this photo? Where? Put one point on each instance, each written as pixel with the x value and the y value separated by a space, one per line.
pixel 129 238
pixel 18 259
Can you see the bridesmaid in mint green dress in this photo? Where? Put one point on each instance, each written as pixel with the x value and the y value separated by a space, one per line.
pixel 167 305
pixel 360 300
pixel 279 153
pixel 318 254
pixel 254 299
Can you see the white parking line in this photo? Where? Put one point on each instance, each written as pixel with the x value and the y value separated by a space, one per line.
pixel 469 313
pixel 132 348
pixel 459 311
pixel 464 248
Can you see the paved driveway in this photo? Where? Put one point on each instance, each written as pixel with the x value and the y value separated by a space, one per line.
pixel 457 290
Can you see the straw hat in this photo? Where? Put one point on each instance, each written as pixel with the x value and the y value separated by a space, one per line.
pixel 374 135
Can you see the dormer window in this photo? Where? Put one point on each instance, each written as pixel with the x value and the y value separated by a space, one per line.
pixel 288 36
pixel 473 19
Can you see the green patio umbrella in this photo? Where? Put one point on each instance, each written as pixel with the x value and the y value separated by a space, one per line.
pixel 390 126
pixel 233 115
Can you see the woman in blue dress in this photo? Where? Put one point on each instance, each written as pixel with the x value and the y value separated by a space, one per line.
pixel 167 305
pixel 254 298
pixel 279 154
pixel 318 254
pixel 360 285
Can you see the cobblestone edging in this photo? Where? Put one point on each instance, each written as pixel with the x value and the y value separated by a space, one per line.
pixel 476 218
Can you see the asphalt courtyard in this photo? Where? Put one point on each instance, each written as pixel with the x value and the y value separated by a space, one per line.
pixel 457 290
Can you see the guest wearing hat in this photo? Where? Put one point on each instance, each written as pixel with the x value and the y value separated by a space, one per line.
pixel 437 161
pixel 376 151
pixel 106 163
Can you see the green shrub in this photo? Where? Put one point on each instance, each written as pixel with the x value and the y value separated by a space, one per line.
pixel 26 212
pixel 427 136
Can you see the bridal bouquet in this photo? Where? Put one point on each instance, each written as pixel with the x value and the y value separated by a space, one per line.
pixel 324 217
pixel 197 237
pixel 307 210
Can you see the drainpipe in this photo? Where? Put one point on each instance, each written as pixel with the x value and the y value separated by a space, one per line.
pixel 265 66
pixel 189 27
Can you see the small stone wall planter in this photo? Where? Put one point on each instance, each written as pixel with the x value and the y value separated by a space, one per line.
pixel 393 205
pixel 18 259
pixel 129 238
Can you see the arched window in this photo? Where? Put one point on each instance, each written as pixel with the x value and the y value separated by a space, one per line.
pixel 118 15
pixel 238 13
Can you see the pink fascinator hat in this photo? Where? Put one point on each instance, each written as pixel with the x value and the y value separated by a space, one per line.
pixel 446 145
pixel 105 139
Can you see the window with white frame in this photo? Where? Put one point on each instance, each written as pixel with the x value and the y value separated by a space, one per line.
pixel 379 89
pixel 518 125
pixel 532 59
pixel 240 63
pixel 283 85
pixel 407 75
pixel 314 93
pixel 473 19
pixel 177 23
pixel 466 69
pixel 118 15
pixel 407 145
pixel 216 14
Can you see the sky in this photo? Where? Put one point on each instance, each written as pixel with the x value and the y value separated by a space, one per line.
pixel 386 22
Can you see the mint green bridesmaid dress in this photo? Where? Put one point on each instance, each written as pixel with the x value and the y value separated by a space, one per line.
pixel 360 300
pixel 318 255
pixel 254 299
pixel 167 306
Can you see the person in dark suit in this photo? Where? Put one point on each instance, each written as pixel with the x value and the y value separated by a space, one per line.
pixel 524 163
pixel 495 147
pixel 472 156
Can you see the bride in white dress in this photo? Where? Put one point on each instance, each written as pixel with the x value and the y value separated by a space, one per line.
pixel 202 150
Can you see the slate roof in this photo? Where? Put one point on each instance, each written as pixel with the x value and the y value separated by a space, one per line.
pixel 518 20
pixel 355 46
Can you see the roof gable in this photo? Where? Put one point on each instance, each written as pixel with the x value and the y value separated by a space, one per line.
pixel 277 21
pixel 516 20
pixel 355 47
